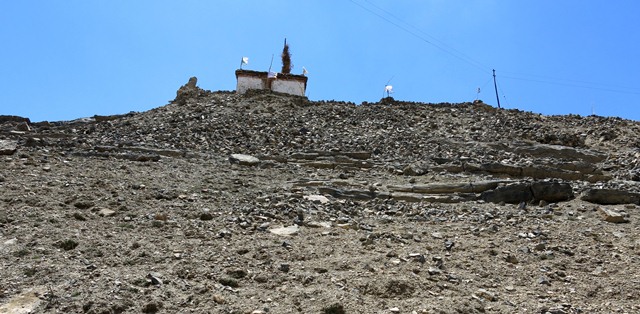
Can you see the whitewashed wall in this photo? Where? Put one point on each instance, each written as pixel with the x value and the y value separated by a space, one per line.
pixel 246 83
pixel 288 87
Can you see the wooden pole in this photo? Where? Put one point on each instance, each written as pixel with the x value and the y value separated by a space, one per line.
pixel 495 85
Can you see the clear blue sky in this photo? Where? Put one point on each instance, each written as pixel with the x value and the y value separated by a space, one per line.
pixel 61 60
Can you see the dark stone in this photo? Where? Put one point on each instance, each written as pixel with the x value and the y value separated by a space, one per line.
pixel 206 216
pixel 511 193
pixel 334 309
pixel 551 191
pixel 152 307
pixel 284 268
pixel 229 282
pixel 237 273
pixel 6 118
pixel 84 204
pixel 610 197
pixel 68 245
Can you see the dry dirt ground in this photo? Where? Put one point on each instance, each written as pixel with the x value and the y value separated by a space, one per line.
pixel 389 207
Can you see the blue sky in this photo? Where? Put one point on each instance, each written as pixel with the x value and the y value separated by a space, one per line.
pixel 62 60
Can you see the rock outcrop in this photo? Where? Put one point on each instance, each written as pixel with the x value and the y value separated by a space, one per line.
pixel 190 90
pixel 610 196
pixel 8 147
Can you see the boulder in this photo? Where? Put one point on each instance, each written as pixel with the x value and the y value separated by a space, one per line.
pixel 244 160
pixel 106 212
pixel 317 198
pixel 286 231
pixel 511 193
pixel 524 192
pixel 610 197
pixel 8 147
pixel 610 215
pixel 551 191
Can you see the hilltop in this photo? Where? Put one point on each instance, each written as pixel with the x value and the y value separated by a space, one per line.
pixel 266 202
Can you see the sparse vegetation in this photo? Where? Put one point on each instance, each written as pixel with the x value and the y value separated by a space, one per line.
pixel 230 282
pixel 68 245
pixel 30 271
pixel 336 308
pixel 21 253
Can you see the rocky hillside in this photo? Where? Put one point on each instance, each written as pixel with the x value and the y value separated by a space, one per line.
pixel 257 203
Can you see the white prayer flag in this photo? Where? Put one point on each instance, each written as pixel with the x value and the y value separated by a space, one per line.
pixel 272 75
pixel 304 71
pixel 388 89
pixel 245 60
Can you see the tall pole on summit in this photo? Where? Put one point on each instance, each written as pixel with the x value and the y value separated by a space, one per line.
pixel 495 85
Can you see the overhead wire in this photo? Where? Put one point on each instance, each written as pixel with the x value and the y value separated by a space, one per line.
pixel 439 46
pixel 547 78
pixel 463 57
pixel 442 46
pixel 449 49
pixel 621 91
pixel 504 95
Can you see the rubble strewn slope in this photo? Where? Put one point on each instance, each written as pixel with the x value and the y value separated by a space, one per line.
pixel 264 202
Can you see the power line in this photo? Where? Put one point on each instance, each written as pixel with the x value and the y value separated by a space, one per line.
pixel 463 57
pixel 485 83
pixel 450 49
pixel 504 96
pixel 573 85
pixel 475 64
pixel 546 78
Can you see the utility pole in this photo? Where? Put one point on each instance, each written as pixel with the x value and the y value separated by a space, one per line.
pixel 495 85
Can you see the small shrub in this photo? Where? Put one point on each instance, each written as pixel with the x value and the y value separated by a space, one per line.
pixel 336 308
pixel 21 253
pixel 29 272
pixel 68 245
pixel 78 216
pixel 230 282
